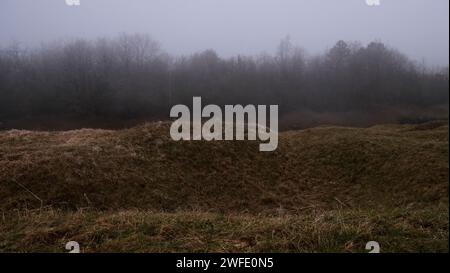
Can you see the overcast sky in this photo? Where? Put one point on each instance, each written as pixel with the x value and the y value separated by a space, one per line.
pixel 418 28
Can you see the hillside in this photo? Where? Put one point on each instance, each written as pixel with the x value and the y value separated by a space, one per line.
pixel 325 189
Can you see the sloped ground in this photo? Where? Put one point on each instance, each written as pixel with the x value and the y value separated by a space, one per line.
pixel 325 189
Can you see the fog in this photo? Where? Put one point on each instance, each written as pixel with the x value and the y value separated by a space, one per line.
pixel 418 28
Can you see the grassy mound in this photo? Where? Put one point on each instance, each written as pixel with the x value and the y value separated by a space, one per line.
pixel 323 189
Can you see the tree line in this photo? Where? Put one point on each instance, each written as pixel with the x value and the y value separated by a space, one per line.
pixel 131 76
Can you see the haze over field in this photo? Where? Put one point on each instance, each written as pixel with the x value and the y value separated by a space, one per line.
pixel 418 28
pixel 356 98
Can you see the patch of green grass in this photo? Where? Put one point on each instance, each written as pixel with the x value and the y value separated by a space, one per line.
pixel 423 230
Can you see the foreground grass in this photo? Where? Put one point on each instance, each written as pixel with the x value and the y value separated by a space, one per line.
pixel 326 189
pixel 143 231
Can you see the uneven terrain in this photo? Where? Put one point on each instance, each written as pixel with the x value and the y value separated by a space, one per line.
pixel 325 189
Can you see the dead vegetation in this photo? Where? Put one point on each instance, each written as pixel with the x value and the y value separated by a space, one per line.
pixel 346 230
pixel 325 189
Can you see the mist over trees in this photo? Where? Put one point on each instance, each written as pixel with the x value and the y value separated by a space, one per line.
pixel 131 76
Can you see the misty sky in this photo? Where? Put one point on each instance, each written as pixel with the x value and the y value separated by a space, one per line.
pixel 418 28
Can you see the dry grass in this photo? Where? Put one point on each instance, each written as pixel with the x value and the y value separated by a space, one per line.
pixel 403 230
pixel 325 189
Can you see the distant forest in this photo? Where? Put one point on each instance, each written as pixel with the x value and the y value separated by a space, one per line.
pixel 131 76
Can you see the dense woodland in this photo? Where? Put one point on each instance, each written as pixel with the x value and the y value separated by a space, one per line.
pixel 131 76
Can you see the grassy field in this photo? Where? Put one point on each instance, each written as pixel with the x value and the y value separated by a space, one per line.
pixel 325 189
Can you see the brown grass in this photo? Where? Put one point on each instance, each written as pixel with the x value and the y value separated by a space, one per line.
pixel 324 189
pixel 398 230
